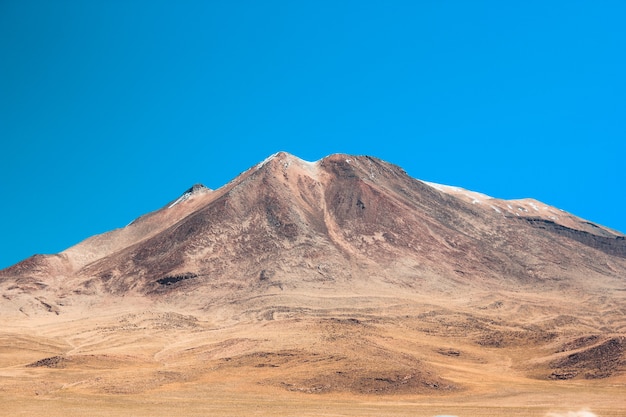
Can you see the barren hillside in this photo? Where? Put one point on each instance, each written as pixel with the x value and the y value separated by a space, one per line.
pixel 339 287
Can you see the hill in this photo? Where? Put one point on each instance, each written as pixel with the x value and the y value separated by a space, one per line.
pixel 342 282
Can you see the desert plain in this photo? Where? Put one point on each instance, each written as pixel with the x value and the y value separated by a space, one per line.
pixel 321 357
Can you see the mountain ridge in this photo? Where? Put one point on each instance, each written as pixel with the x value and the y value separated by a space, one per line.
pixel 343 277
pixel 359 208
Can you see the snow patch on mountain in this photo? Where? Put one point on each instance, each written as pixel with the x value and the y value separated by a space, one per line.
pixel 180 199
pixel 473 196
pixel 266 160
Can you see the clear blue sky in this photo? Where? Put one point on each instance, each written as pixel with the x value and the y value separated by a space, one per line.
pixel 110 109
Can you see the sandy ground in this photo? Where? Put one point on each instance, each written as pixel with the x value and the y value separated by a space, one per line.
pixel 391 359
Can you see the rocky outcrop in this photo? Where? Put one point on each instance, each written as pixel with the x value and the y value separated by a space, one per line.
pixel 612 245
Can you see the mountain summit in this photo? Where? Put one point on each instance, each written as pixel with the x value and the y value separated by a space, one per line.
pixel 343 221
pixel 387 284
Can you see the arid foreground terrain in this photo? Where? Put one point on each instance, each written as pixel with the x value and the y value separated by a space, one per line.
pixel 336 288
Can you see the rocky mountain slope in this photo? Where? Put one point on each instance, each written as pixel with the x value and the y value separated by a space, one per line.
pixel 340 276
pixel 288 223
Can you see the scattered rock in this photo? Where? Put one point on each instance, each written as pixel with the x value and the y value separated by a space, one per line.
pixel 449 352
pixel 51 362
pixel 266 274
pixel 600 361
pixel 172 279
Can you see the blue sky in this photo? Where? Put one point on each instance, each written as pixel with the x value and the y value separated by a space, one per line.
pixel 110 109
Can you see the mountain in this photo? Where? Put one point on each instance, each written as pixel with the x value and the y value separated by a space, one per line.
pixel 343 276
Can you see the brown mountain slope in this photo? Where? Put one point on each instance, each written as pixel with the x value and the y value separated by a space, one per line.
pixel 344 277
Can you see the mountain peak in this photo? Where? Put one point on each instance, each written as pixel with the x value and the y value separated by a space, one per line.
pixel 342 275
pixel 197 188
pixel 281 157
pixel 284 212
pixel 194 190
